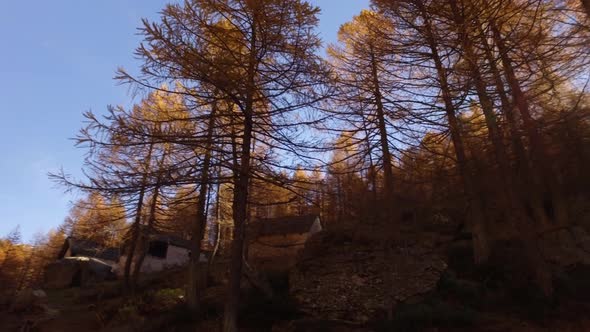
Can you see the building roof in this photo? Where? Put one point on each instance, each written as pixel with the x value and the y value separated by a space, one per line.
pixel 87 248
pixel 169 238
pixel 282 225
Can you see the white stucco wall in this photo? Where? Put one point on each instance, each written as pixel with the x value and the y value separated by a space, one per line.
pixel 316 226
pixel 175 256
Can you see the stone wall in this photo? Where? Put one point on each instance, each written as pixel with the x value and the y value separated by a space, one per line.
pixel 277 253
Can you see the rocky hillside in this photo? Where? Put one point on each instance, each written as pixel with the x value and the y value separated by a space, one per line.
pixel 339 279
pixel 341 283
pixel 428 282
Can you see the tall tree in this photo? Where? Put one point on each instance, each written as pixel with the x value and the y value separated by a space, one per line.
pixel 97 219
pixel 365 74
pixel 270 73
pixel 422 44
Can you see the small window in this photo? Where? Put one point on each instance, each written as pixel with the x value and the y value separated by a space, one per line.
pixel 158 249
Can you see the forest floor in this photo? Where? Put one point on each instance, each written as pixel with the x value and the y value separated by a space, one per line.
pixel 348 275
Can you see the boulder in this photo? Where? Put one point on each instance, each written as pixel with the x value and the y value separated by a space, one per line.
pixel 76 271
pixel 60 274
pixel 566 246
pixel 28 299
pixel 95 270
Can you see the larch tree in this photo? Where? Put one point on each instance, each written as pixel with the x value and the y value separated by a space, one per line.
pixel 461 14
pixel 502 57
pixel 364 73
pixel 270 73
pixel 97 219
pixel 129 159
pixel 430 76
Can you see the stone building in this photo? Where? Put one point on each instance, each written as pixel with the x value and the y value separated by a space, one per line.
pixel 274 243
pixel 81 262
pixel 163 251
pixel 74 247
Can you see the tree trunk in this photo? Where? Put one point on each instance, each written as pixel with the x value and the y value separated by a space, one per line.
pixel 135 229
pixel 371 177
pixel 388 197
pixel 512 203
pixel 144 241
pixel 481 241
pixel 586 6
pixel 218 228
pixel 528 188
pixel 539 159
pixel 239 216
pixel 240 199
pixel 197 277
pixel 384 141
pixel 527 230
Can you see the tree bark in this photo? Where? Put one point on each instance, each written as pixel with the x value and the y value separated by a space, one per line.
pixel 239 216
pixel 384 141
pixel 527 231
pixel 144 241
pixel 218 228
pixel 197 277
pixel 481 241
pixel 135 228
pixel 240 199
pixel 527 186
pixel 539 160
pixel 586 6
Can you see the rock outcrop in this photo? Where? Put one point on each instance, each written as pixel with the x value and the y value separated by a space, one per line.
pixel 28 299
pixel 567 246
pixel 60 274
pixel 341 280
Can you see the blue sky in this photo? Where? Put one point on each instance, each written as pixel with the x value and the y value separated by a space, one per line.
pixel 57 60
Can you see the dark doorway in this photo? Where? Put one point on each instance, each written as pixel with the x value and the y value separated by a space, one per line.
pixel 77 278
pixel 158 249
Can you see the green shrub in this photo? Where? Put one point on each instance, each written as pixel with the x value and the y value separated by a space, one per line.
pixel 130 314
pixel 168 298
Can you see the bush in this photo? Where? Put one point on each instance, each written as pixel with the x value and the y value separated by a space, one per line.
pixel 169 297
pixel 130 314
pixel 162 300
